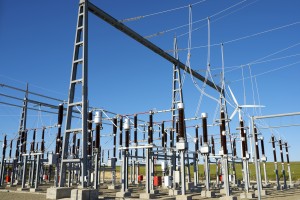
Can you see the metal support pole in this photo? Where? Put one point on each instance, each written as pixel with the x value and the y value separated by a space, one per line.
pixel 24 171
pixel 182 162
pixel 256 162
pixel 147 171
pixel 265 173
pixel 225 175
pixel 207 172
pixel 32 167
pixel 96 172
pixel 282 164
pixel 37 172
pixel 245 175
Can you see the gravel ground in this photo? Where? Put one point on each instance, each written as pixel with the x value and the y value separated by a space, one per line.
pixel 12 194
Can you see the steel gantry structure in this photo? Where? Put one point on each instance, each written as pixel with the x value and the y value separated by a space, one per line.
pixel 80 79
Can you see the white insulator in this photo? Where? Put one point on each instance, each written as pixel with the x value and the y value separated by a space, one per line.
pixel 204 115
pixel 163 166
pixel 98 118
pixel 180 106
pixel 126 124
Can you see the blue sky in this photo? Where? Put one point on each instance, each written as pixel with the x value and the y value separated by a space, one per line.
pixel 124 77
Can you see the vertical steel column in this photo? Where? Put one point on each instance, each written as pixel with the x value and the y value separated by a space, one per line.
pixel 24 171
pixel 244 156
pixel 181 145
pixel 256 159
pixel 135 162
pixel 196 141
pixel 288 163
pixel 282 164
pixel 264 159
pixel 115 126
pixel 224 157
pixel 2 161
pixel 98 122
pixel 205 151
pixel 32 162
pixel 37 172
pixel 275 162
pixel 80 60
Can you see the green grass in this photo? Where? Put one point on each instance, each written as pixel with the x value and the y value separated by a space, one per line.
pixel 295 170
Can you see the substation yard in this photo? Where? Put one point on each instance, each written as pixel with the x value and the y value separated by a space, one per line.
pixel 151 154
pixel 10 193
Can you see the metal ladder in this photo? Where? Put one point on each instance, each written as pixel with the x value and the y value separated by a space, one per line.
pixel 177 97
pixel 78 78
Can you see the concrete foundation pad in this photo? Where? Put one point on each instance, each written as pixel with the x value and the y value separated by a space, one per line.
pixel 266 185
pixel 58 193
pixel 247 195
pixel 189 185
pixel 18 183
pixel 147 196
pixel 112 187
pixel 291 186
pixel 174 192
pixel 84 194
pixel 183 197
pixel 197 189
pixel 262 192
pixel 10 185
pixel 228 198
pixel 22 189
pixel 208 194
pixel 223 191
pixel 123 194
pixel 35 190
pixel 277 187
pixel 154 191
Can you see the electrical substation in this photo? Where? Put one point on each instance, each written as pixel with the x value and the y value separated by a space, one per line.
pixel 148 154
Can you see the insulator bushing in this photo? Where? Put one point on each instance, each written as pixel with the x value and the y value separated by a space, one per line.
pixel 115 121
pixel 287 152
pixel 97 142
pixel 274 148
pixel 60 114
pixel 135 128
pixel 121 131
pixel 223 133
pixel 281 152
pixel 256 143
pixel 197 138
pixel 204 126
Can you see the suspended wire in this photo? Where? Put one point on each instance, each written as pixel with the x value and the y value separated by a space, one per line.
pixel 194 22
pixel 158 13
pixel 244 88
pixel 246 37
pixel 258 96
pixel 207 70
pixel 219 18
pixel 269 71
pixel 235 67
pixel 252 86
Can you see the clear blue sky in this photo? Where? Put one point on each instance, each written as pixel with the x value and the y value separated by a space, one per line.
pixel 37 39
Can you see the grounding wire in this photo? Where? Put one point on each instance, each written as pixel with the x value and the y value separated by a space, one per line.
pixel 157 13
